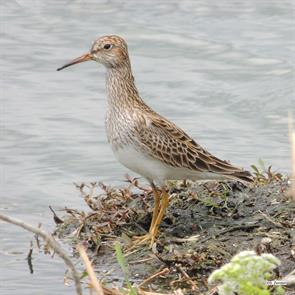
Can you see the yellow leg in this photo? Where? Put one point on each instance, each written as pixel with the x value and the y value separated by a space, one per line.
pixel 156 210
pixel 156 205
pixel 155 228
pixel 158 214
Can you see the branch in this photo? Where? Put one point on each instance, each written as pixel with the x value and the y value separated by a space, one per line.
pixel 53 244
pixel 94 282
pixel 289 280
pixel 292 142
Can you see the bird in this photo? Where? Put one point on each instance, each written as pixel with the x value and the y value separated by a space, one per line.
pixel 146 142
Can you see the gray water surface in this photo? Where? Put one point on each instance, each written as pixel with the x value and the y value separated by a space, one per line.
pixel 221 70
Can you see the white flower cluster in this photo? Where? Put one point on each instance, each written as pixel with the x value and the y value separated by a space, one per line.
pixel 245 273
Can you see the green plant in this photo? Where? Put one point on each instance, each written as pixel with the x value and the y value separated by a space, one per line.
pixel 264 175
pixel 123 264
pixel 246 274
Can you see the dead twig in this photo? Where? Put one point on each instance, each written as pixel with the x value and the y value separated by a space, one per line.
pixel 188 278
pixel 134 182
pixel 289 280
pixel 29 258
pixel 142 292
pixel 184 240
pixel 292 142
pixel 230 229
pixel 277 224
pixel 141 260
pixel 94 281
pixel 155 275
pixel 213 291
pixel 53 244
pixel 56 219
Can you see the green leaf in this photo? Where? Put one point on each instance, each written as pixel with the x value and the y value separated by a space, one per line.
pixel 261 164
pixel 121 258
pixel 123 264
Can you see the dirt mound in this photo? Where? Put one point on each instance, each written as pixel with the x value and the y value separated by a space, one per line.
pixel 205 225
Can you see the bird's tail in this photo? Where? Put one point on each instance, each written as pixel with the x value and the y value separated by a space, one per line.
pixel 243 175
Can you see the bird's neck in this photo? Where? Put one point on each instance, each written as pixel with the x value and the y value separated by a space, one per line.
pixel 121 89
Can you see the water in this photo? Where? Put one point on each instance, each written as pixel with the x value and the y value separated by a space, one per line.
pixel 221 70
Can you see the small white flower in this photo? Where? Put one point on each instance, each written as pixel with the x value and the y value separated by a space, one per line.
pixel 244 268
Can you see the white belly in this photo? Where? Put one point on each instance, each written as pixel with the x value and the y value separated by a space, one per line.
pixel 157 171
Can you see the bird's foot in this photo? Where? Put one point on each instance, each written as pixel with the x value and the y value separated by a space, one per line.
pixel 147 239
pixel 158 214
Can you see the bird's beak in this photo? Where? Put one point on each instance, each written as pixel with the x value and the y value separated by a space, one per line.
pixel 82 58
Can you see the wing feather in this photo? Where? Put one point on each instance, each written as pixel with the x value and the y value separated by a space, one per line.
pixel 166 142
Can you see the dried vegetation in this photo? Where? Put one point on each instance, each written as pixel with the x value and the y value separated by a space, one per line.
pixel 205 225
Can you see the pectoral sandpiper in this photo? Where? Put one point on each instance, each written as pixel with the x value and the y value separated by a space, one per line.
pixel 144 141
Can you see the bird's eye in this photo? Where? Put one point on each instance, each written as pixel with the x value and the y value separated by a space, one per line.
pixel 107 46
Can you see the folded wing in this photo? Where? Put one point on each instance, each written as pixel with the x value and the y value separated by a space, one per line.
pixel 166 142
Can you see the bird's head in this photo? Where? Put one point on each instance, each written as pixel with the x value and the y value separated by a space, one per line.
pixel 110 51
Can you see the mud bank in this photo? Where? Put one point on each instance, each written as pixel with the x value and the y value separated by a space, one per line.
pixel 205 225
